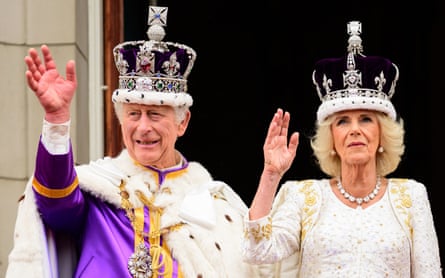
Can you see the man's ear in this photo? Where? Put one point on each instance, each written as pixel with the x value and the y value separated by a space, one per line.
pixel 184 123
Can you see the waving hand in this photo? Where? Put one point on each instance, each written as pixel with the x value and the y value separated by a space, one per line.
pixel 54 92
pixel 278 154
pixel 278 157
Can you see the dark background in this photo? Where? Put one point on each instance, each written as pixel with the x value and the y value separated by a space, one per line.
pixel 256 56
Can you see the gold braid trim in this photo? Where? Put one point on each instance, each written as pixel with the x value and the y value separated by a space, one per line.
pixel 138 226
pixel 148 202
pixel 54 193
pixel 136 217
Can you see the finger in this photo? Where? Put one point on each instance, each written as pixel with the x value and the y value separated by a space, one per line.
pixel 273 129
pixel 270 132
pixel 29 73
pixel 48 59
pixel 285 124
pixel 32 68
pixel 71 71
pixel 34 64
pixel 35 58
pixel 31 81
pixel 32 53
pixel 286 120
pixel 279 117
pixel 30 64
pixel 293 143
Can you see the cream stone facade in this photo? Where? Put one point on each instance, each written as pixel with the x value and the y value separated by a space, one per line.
pixel 72 29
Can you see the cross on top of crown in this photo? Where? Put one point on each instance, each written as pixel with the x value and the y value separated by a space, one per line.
pixel 354 41
pixel 157 15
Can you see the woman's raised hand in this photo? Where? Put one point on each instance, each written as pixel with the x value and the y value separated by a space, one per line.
pixel 278 154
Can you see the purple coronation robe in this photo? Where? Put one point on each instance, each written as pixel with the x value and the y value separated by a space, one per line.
pixel 103 233
pixel 199 220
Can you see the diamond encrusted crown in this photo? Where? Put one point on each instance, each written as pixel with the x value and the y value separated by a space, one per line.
pixel 355 81
pixel 154 71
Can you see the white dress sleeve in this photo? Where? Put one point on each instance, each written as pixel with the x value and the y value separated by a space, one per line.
pixel 425 246
pixel 277 235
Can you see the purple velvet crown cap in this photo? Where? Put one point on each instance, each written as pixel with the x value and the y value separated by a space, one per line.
pixel 355 81
pixel 154 72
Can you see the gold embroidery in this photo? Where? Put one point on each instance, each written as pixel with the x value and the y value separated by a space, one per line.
pixel 260 232
pixel 402 200
pixel 310 199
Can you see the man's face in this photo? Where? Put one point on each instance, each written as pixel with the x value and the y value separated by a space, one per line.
pixel 150 133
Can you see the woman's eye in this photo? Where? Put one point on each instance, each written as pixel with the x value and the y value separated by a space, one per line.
pixel 366 119
pixel 341 121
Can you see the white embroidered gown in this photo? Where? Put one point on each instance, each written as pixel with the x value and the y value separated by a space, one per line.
pixel 340 241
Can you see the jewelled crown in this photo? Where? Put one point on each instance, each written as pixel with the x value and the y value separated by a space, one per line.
pixel 154 71
pixel 355 81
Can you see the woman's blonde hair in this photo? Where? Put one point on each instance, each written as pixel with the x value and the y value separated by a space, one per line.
pixel 391 139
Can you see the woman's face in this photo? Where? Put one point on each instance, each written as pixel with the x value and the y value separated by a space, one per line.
pixel 150 133
pixel 356 135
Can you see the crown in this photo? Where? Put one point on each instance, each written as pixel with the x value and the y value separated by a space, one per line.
pixel 355 81
pixel 154 71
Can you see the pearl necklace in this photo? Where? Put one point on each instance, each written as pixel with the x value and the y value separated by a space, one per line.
pixel 359 201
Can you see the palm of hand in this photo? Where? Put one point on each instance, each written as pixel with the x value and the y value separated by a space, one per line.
pixel 55 92
pixel 278 154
